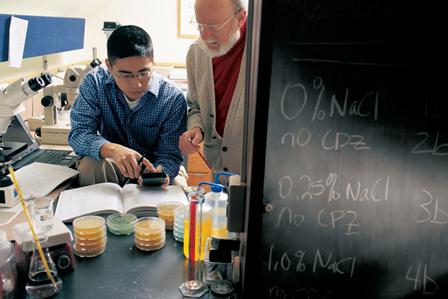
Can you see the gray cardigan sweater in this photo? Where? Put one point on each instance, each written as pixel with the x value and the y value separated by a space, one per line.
pixel 222 152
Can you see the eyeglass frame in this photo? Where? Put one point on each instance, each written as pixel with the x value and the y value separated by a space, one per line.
pixel 142 75
pixel 214 28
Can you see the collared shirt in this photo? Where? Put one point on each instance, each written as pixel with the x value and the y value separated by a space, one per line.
pixel 226 70
pixel 101 114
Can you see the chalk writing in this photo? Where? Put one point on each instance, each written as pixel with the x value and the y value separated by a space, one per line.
pixel 302 139
pixel 327 218
pixel 295 98
pixel 283 261
pixel 314 9
pixel 343 266
pixel 331 140
pixel 426 146
pixel 285 185
pixel 434 214
pixel 421 280
pixel 307 293
pixel 295 219
pixel 316 188
pixel 275 292
pixel 331 219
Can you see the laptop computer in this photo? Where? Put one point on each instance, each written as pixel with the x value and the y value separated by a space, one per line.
pixel 19 132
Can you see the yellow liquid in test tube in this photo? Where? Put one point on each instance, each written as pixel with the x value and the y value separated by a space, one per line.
pixel 206 232
pixel 220 232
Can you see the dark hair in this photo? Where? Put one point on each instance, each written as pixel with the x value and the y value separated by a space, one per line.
pixel 127 41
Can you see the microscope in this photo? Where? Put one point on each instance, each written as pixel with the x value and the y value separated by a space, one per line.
pixel 11 99
pixel 74 76
pixel 59 235
pixel 55 129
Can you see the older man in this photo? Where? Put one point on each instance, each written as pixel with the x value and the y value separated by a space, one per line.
pixel 216 82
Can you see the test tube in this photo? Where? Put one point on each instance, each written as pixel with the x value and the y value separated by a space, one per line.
pixel 194 287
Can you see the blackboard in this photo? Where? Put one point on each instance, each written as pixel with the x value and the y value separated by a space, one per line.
pixel 349 175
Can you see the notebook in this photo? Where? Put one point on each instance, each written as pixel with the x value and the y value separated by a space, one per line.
pixel 19 132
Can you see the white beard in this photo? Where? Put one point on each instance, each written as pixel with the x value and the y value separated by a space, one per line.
pixel 224 49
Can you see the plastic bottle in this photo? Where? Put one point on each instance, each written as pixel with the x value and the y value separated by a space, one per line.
pixel 8 271
pixel 217 200
pixel 203 222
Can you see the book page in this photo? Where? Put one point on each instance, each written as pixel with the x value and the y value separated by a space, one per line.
pixel 138 198
pixel 101 198
pixel 39 179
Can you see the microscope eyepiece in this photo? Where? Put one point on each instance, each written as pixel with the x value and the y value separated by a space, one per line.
pixel 94 63
pixel 47 78
pixel 40 82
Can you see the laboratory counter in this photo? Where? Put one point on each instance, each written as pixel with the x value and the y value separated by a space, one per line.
pixel 123 271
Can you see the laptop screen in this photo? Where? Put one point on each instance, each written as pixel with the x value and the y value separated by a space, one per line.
pixel 18 131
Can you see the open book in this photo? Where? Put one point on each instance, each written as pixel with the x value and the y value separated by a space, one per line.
pixel 108 198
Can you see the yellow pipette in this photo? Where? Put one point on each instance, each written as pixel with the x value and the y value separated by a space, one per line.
pixel 30 224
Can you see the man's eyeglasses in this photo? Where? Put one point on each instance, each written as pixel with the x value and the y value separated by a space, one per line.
pixel 143 75
pixel 215 28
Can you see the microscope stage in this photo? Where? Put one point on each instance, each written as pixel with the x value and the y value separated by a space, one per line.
pixel 10 149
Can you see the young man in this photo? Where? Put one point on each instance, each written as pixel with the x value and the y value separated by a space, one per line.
pixel 216 79
pixel 127 116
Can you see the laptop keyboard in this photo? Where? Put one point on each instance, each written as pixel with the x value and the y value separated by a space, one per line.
pixel 50 156
pixel 57 157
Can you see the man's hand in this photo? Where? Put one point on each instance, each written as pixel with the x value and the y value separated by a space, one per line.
pixel 189 141
pixel 167 180
pixel 126 159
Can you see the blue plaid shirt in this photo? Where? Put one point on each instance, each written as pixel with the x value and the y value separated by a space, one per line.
pixel 101 114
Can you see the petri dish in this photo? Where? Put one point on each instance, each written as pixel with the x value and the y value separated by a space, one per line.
pixel 121 224
pixel 88 224
pixel 165 211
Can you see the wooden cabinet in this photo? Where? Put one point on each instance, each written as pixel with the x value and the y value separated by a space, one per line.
pixel 197 170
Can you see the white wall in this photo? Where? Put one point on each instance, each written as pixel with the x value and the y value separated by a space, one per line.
pixel 157 17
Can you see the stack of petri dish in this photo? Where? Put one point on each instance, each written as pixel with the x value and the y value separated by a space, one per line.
pixel 121 224
pixel 149 233
pixel 178 230
pixel 90 236
pixel 165 210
